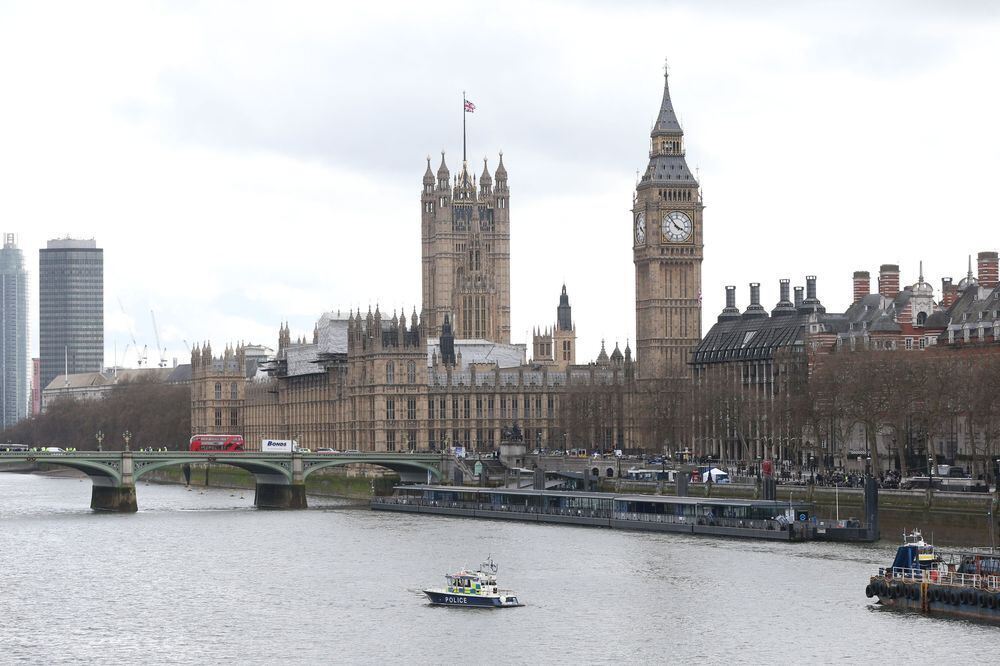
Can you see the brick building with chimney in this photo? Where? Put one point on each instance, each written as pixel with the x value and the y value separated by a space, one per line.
pixel 768 355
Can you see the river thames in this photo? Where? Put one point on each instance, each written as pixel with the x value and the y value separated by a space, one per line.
pixel 201 577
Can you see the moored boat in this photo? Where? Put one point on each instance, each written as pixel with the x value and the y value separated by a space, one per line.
pixel 473 589
pixel 920 579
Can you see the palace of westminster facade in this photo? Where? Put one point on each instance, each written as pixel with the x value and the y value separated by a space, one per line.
pixel 449 376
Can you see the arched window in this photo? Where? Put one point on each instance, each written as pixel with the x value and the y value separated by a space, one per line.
pixel 218 390
pixel 390 373
pixel 921 318
pixel 232 391
pixel 411 373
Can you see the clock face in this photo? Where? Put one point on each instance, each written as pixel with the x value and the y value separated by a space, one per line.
pixel 676 227
pixel 640 228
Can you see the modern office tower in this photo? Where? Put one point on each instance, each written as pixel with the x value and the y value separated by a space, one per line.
pixel 70 308
pixel 13 334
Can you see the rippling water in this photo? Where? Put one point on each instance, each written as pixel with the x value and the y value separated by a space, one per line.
pixel 201 577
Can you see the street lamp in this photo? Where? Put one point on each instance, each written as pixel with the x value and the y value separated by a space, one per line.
pixel 127 435
pixel 100 438
pixel 812 470
pixel 930 472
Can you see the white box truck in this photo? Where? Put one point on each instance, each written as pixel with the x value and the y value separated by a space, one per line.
pixel 278 445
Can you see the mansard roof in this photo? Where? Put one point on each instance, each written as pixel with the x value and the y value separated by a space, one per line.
pixel 751 339
pixel 669 170
pixel 970 306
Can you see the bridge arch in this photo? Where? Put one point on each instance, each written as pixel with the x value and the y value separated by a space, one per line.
pixel 264 471
pixel 104 473
pixel 400 467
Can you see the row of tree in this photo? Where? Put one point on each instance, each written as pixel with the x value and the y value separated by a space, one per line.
pixel 917 404
pixel 923 404
pixel 153 413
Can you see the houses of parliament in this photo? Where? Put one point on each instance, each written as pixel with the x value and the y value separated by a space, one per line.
pixel 446 373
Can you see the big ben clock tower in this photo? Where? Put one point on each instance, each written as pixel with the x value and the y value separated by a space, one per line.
pixel 667 249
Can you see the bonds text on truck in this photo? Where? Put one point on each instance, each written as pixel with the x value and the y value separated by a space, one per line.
pixel 278 445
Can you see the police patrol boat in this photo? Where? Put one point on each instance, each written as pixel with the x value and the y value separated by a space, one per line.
pixel 476 589
pixel 920 579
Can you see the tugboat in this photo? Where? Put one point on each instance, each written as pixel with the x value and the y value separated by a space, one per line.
pixel 473 589
pixel 967 586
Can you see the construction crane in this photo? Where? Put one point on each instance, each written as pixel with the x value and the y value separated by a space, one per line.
pixel 140 356
pixel 162 351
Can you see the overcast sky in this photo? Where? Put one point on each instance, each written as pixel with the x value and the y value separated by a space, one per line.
pixel 246 163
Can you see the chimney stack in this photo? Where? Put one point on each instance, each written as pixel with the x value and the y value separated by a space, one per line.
pixel 754 310
pixel 798 297
pixel 730 311
pixel 987 269
pixel 784 305
pixel 862 285
pixel 810 287
pixel 811 304
pixel 948 292
pixel 888 280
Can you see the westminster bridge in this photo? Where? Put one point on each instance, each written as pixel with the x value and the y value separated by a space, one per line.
pixel 280 477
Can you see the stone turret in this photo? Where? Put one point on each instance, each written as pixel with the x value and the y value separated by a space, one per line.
pixel 447 343
pixel 443 175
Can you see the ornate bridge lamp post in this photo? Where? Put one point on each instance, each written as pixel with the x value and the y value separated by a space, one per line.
pixel 127 435
pixel 100 439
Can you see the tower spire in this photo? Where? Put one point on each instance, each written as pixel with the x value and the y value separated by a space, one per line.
pixel 666 121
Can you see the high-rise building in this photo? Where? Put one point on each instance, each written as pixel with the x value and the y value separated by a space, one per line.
pixel 466 252
pixel 70 308
pixel 667 251
pixel 13 334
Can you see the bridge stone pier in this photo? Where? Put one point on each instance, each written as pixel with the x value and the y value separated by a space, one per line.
pixel 280 477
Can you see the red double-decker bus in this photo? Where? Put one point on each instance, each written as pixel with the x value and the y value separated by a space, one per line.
pixel 224 443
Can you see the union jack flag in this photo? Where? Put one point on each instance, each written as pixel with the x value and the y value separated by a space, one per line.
pixel 469 107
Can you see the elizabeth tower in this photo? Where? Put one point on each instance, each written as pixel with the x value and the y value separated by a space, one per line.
pixel 667 251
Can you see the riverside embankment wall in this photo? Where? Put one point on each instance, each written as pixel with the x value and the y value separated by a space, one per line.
pixel 952 518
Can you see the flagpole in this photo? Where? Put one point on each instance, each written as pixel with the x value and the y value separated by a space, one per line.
pixel 463 127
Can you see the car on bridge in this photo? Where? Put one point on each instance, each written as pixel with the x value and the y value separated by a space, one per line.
pixel 327 450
